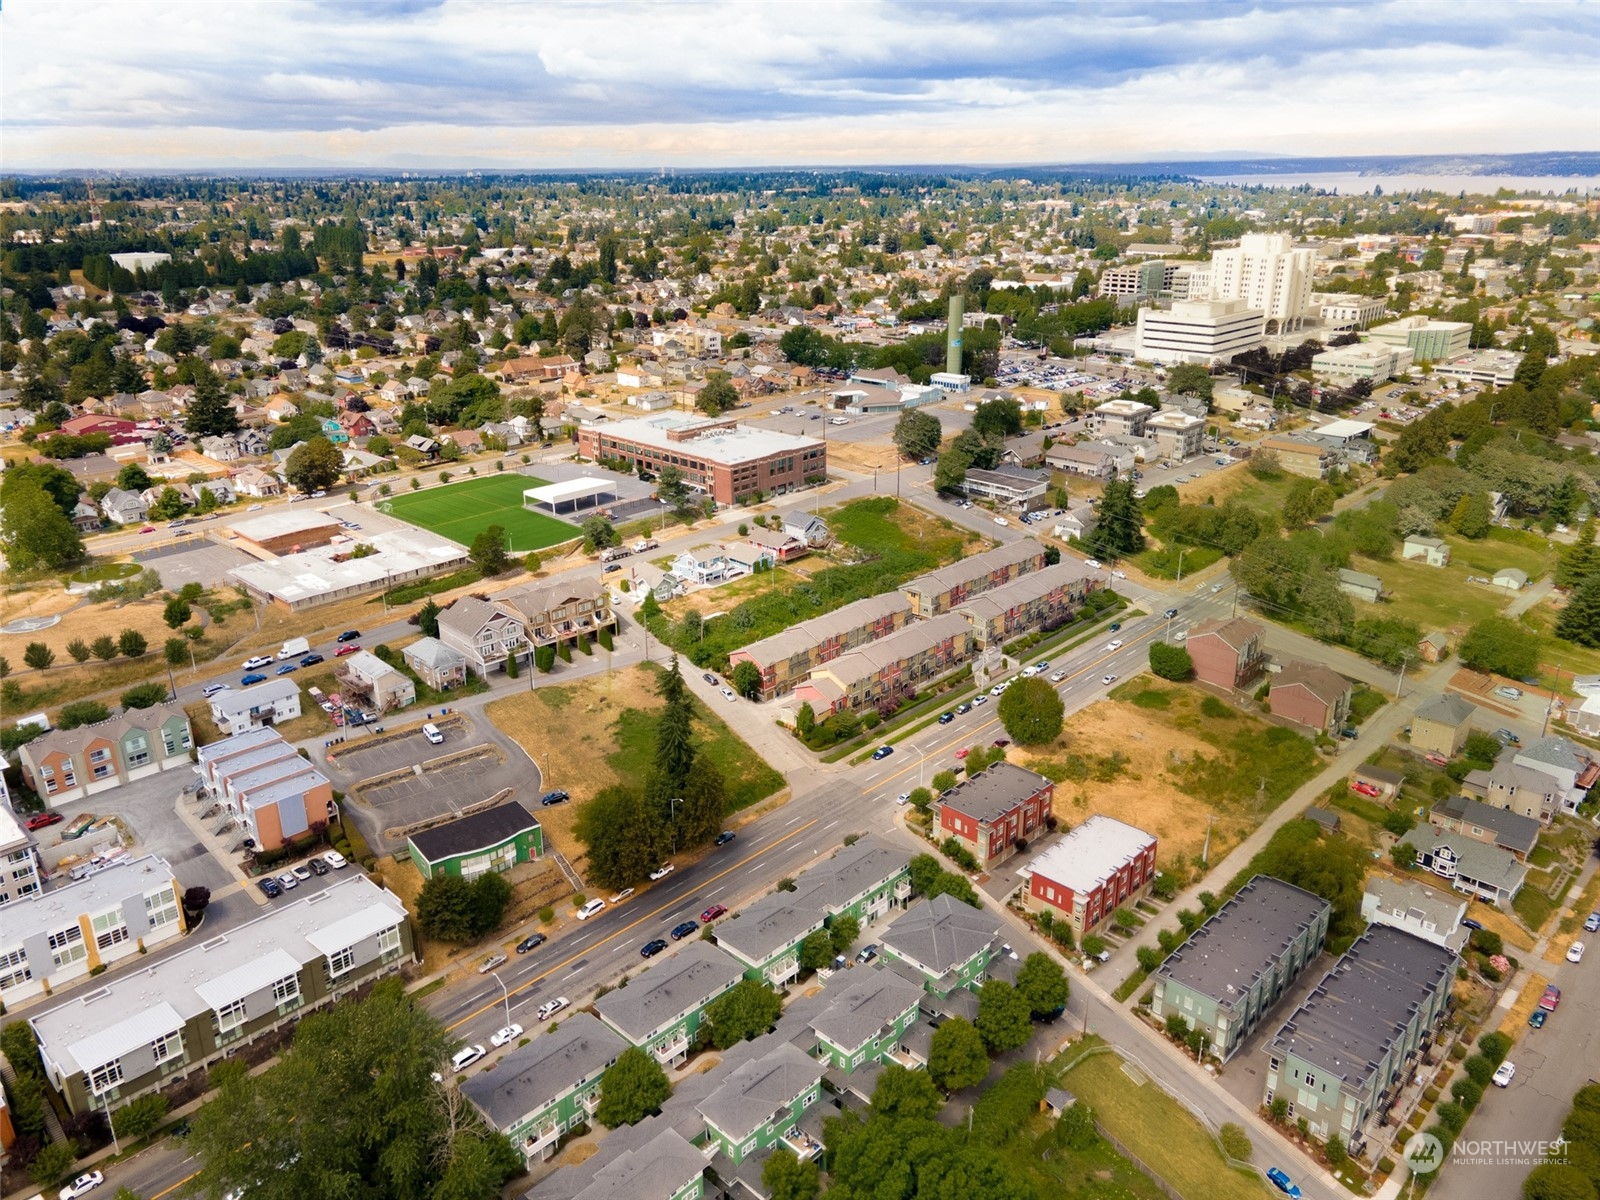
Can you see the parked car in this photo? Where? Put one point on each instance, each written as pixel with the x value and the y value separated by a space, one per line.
pixel 490 963
pixel 270 888
pixel 1093 563
pixel 317 867
pixel 287 881
pixel 1537 1018
pixel 1437 760
pixel 346 649
pixel 1505 1074
pixel 1575 952
pixel 980 698
pixel 532 942
pixel 1591 923
pixel 882 752
pixel 551 1007
pixel 287 668
pixel 300 871
pixel 652 948
pixel 504 1037
pixel 712 913
pixel 620 896
pixel 41 820
pixel 82 1185
pixel 1043 665
pixel 211 689
pixel 349 635
pixel 334 859
pixel 867 954
pixel 556 797
pixel 683 929
pixel 726 836
pixel 1364 789
pixel 661 872
pixel 466 1056
pixel 946 717
pixel 1283 1183
pixel 1510 693
pixel 729 695
pixel 589 909
pixel 1551 998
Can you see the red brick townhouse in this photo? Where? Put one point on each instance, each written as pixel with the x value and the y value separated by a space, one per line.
pixel 1227 653
pixel 1100 866
pixel 991 812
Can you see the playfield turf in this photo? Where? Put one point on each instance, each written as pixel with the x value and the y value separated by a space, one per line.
pixel 461 511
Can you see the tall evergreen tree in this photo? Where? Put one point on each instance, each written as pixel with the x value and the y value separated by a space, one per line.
pixel 1120 532
pixel 1579 560
pixel 209 412
pixel 674 745
pixel 1580 619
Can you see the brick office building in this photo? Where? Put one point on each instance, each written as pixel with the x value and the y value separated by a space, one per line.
pixel 719 458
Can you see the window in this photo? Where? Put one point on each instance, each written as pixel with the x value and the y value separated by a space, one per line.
pixel 169 1046
pixel 1310 1080
pixel 342 962
pixel 389 940
pixel 286 990
pixel 1272 1063
pixel 102 770
pixel 112 937
pixel 100 755
pixel 105 1077
pixel 161 907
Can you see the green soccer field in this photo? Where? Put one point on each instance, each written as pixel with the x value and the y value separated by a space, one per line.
pixel 461 511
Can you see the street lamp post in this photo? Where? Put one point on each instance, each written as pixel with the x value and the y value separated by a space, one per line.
pixel 672 819
pixel 1181 552
pixel 505 993
pixel 110 1124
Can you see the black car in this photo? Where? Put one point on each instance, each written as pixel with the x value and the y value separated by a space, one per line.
pixel 556 797
pixel 311 660
pixel 349 635
pixel 946 717
pixel 271 887
pixel 1170 613
pixel 726 836
pixel 681 931
pixel 532 941
pixel 318 867
pixel 653 948
pixel 710 678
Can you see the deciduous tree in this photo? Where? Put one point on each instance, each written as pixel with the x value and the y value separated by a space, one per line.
pixel 1003 1016
pixel 1031 711
pixel 745 1011
pixel 956 1057
pixel 1043 984
pixel 632 1088
pixel 917 434
pixel 314 466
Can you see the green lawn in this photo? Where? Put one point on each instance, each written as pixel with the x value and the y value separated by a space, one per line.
pixel 1440 598
pixel 749 778
pixel 1157 1129
pixel 1099 1173
pixel 461 511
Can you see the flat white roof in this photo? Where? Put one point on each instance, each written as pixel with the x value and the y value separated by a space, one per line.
pixel 108 887
pixel 282 523
pixel 1345 429
pixel 572 489
pixel 315 573
pixel 728 444
pixel 1085 857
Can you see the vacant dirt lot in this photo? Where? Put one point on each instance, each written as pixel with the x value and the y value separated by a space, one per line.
pixel 1168 763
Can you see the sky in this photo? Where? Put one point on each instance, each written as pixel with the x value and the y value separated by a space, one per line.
pixel 190 84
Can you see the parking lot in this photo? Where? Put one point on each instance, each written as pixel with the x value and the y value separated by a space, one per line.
pixel 398 751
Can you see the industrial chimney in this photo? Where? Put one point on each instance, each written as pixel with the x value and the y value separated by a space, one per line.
pixel 952 353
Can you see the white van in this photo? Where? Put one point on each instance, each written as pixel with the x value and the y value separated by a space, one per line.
pixel 433 734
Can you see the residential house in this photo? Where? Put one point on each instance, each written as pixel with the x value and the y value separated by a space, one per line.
pixel 761 1103
pixel 1360 585
pixel 269 703
pixel 483 632
pixel 252 442
pixel 704 566
pixel 1311 695
pixel 866 1014
pixel 1433 647
pixel 219 489
pixel 1100 866
pixel 436 664
pixel 71 764
pixel 942 590
pixel 1299 455
pixel 745 557
pixel 864 881
pixel 180 1014
pixel 223 448
pixel 1225 979
pixel 1552 775
pixel 538 1092
pixel 19 861
pixel 943 943
pixel 423 445
pixel 661 1010
pixel 50 939
pixel 253 481
pixel 1042 599
pixel 810 529
pixel 85 517
pixel 1026 450
pixel 365 676
pixel 124 507
pixel 1227 652
pixel 665 1168
pixel 788 658
pixel 1090 460
pixel 266 790
pixel 995 813
pixel 1490 825
pixel 495 839
pixel 1077 522
pixel 1431 550
pixel 782 545
pixel 1014 487
pixel 1342 1057
pixel 1510 579
pixel 883 672
pixel 563 611
pixel 1441 724
pixel 1485 872
pixel 1417 909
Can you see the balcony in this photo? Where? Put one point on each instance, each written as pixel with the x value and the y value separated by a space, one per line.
pixel 785 969
pixel 902 891
pixel 904 1058
pixel 535 1144
pixel 591 1102
pixel 804 1145
pixel 667 1052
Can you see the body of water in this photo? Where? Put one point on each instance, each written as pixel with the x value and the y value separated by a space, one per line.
pixel 1350 183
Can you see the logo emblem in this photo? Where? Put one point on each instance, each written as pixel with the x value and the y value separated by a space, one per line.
pixel 1424 1153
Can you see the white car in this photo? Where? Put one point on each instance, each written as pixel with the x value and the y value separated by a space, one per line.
pixel 1504 1076
pixel 620 896
pixel 980 698
pixel 300 871
pixel 1058 677
pixel 1119 574
pixel 661 872
pixel 551 1007
pixel 589 909
pixel 1030 672
pixel 1217 587
pixel 82 1185
pixel 903 798
pixel 1092 562
pixel 1108 680
pixel 335 860
pixel 1114 644
pixel 506 1036
pixel 1575 952
pixel 1001 521
pixel 287 881
pixel 729 695
pixel 466 1056
pixel 259 661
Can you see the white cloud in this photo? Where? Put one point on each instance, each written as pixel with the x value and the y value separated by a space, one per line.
pixel 518 85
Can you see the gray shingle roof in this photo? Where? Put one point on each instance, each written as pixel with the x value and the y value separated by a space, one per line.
pixel 686 980
pixel 658 1170
pixel 1447 709
pixel 868 1002
pixel 1474 859
pixel 1513 831
pixel 529 1078
pixel 756 1090
pixel 941 934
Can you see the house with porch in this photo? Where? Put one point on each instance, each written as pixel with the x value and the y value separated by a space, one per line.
pixel 367 677
pixel 943 590
pixel 269 703
pixel 880 673
pixel 536 1093
pixel 788 658
pixel 944 943
pixel 867 1012
pixel 1486 872
pixel 483 632
pixel 760 1104
pixel 1039 600
pixel 436 664
pixel 661 1010
pixel 563 611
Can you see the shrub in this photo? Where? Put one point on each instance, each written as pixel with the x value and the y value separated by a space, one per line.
pixel 53 1162
pixel 1149 959
pixel 1487 941
pixel 1467 1093
pixel 1495 1046
pixel 1337 1154
pixel 1479 1069
pixel 1452 1115
pixel 1235 1142
pixel 139 1117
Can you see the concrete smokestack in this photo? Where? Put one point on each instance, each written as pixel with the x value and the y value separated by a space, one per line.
pixel 952 353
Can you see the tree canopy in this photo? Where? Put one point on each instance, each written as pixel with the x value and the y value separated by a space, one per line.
pixel 314 466
pixel 957 1058
pixel 745 1011
pixel 1031 711
pixel 632 1088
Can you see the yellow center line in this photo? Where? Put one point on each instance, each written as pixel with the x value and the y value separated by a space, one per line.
pixel 526 984
pixel 966 739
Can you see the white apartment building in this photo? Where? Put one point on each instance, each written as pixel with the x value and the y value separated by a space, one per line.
pixel 1178 435
pixel 1342 311
pixel 1267 273
pixel 1374 361
pixel 19 863
pixel 1126 417
pixel 1200 331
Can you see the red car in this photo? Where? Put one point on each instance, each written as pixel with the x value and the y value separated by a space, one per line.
pixel 712 913
pixel 40 820
pixel 964 751
pixel 347 648
pixel 1364 789
pixel 148 529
